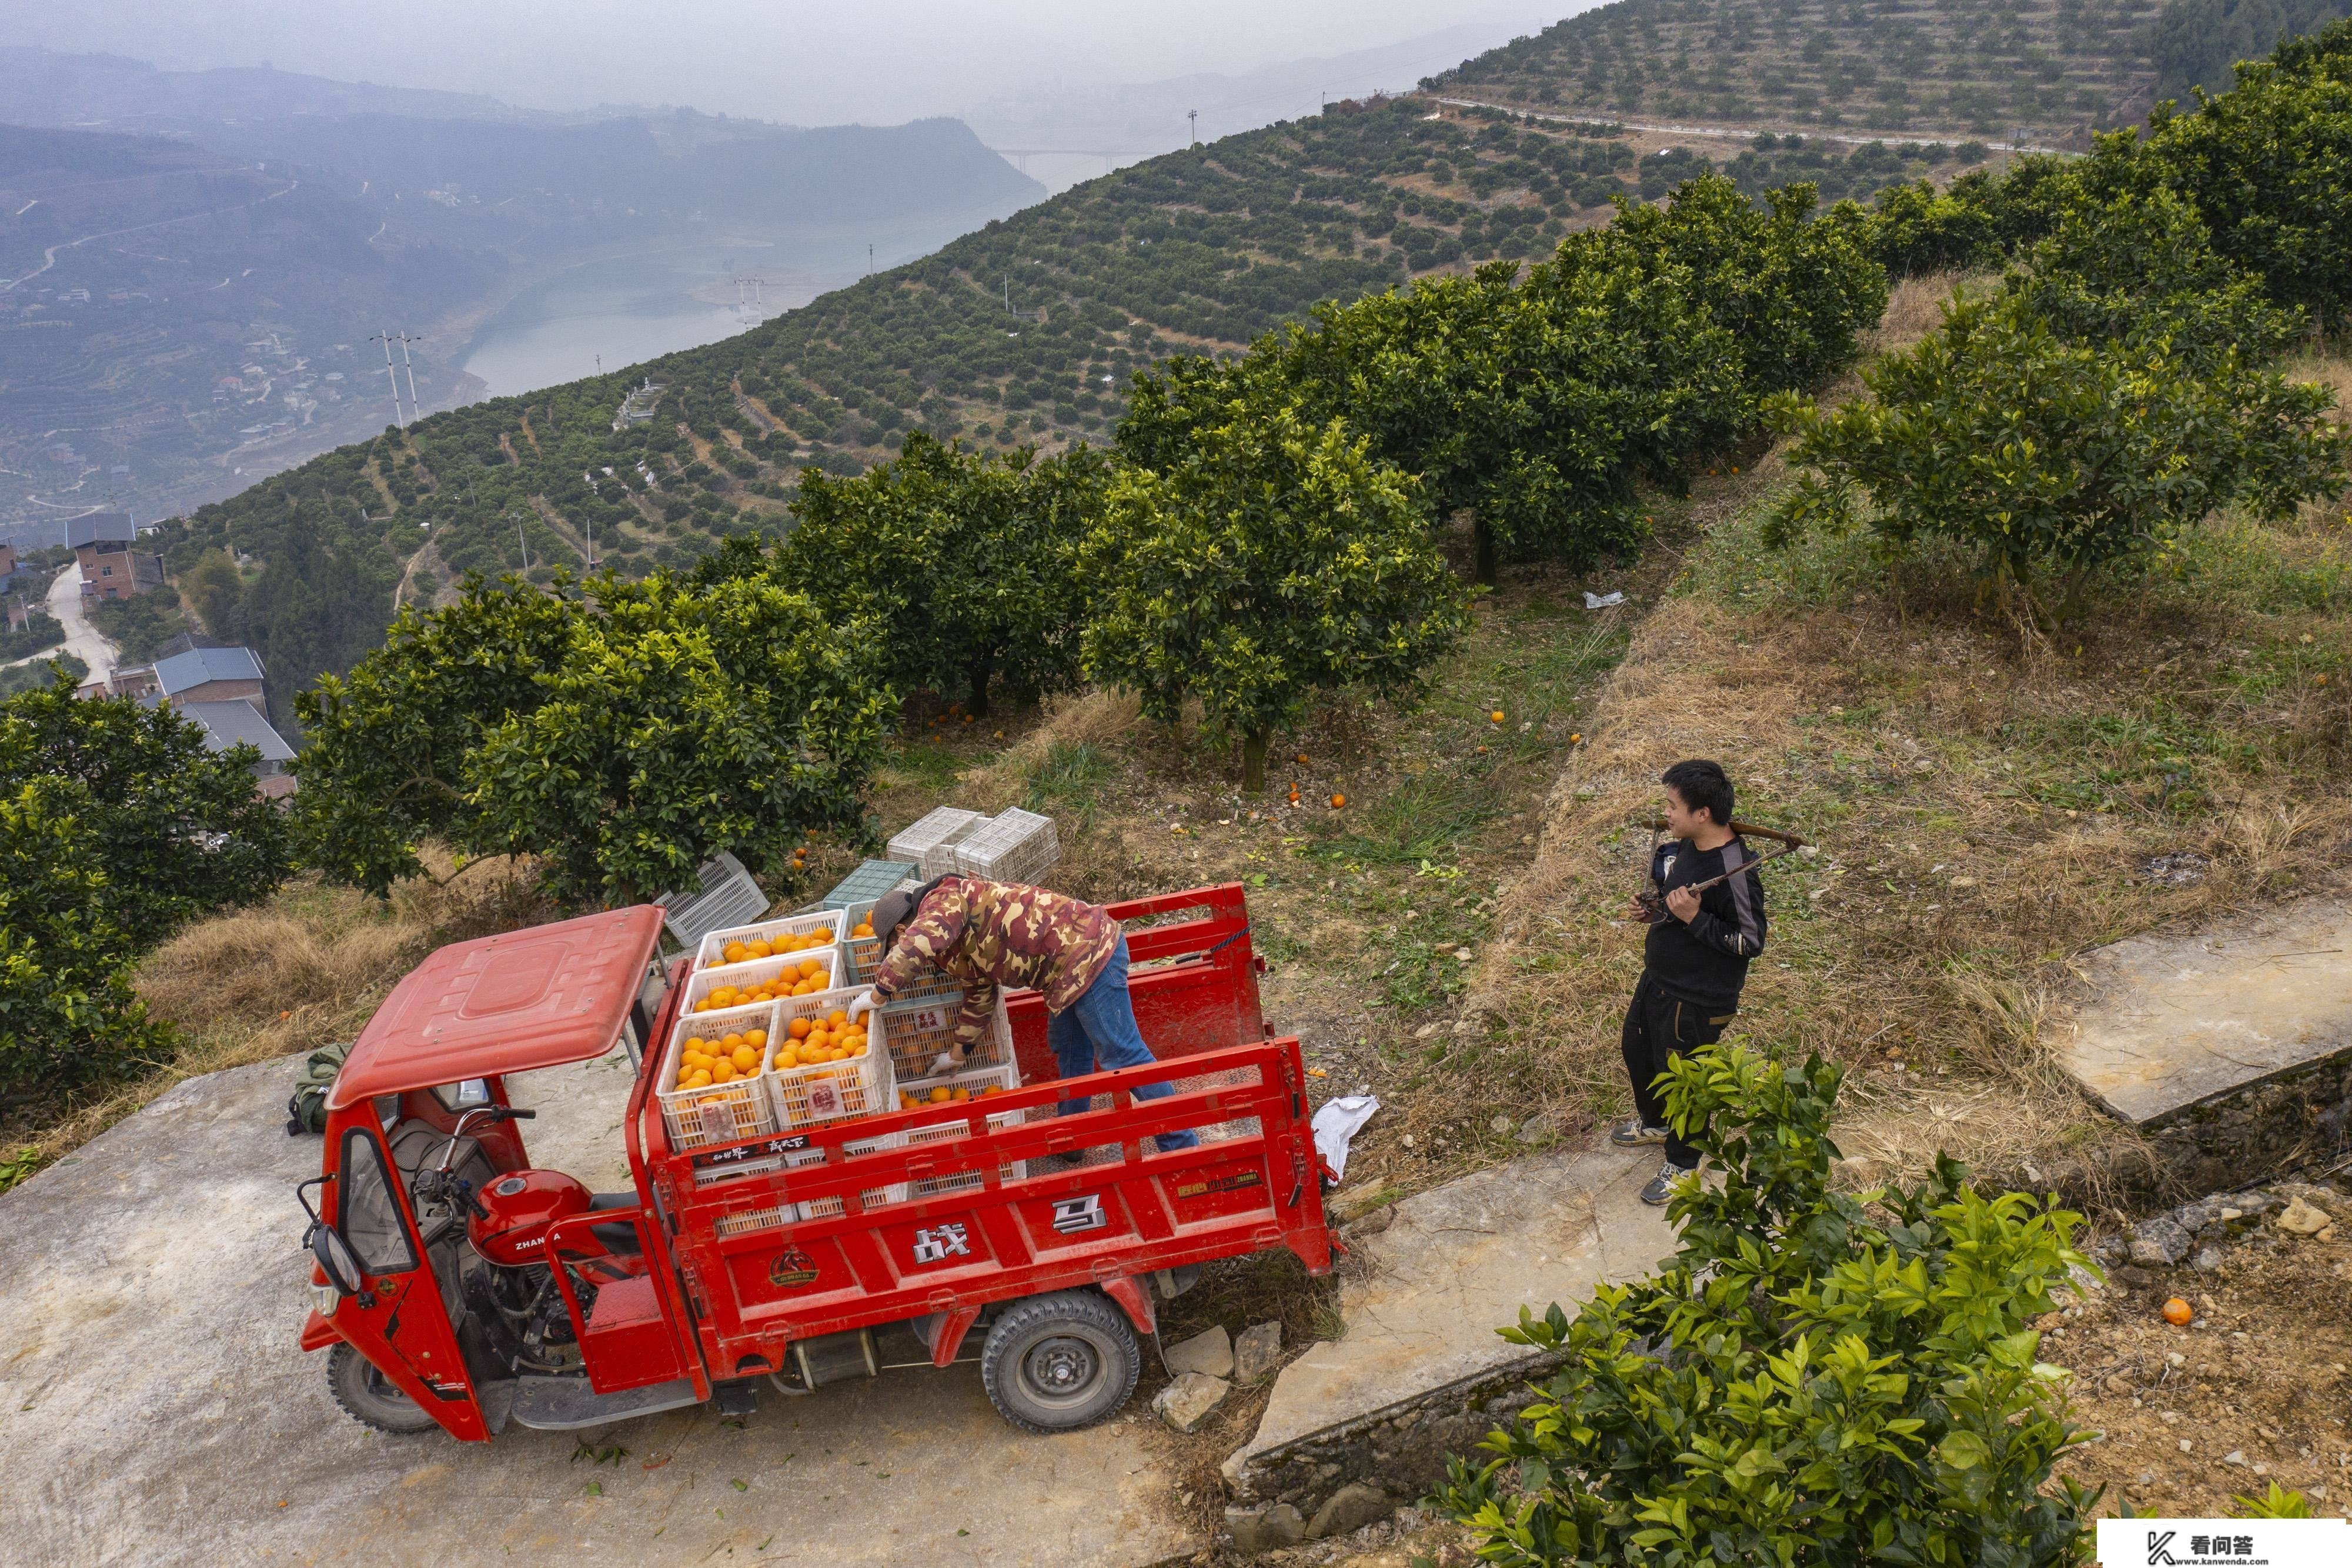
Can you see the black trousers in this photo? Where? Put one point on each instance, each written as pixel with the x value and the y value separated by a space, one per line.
pixel 1658 1029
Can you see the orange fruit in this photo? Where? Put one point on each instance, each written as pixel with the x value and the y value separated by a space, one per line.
pixel 724 1073
pixel 836 1018
pixel 864 928
pixel 940 1095
pixel 1337 801
pixel 746 1059
pixel 734 952
pixel 1496 716
pixel 2177 1312
pixel 962 1095
pixel 1301 759
pixel 756 1036
pixel 798 1029
pixel 821 935
pixel 812 967
pixel 731 1041
pixel 700 1079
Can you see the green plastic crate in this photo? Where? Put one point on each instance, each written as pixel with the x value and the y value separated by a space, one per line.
pixel 867 883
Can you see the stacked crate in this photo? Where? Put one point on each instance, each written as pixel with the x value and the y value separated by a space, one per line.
pixel 930 841
pixel 1013 846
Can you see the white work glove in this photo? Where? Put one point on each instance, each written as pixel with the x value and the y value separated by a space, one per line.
pixel 949 1061
pixel 861 1004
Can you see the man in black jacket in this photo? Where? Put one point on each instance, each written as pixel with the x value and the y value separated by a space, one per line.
pixel 1695 959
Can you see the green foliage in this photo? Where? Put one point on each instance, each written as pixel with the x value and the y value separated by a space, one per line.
pixel 1914 229
pixel 139 624
pixel 1815 1376
pixel 623 732
pixel 962 562
pixel 177 829
pixel 2140 265
pixel 2197 43
pixel 40 630
pixel 117 825
pixel 2268 166
pixel 1791 293
pixel 211 588
pixel 383 766
pixel 33 676
pixel 1275 558
pixel 2045 457
pixel 67 1014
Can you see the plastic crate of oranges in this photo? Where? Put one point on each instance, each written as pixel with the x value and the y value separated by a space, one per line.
pixel 802 934
pixel 709 1087
pixel 765 980
pixel 825 1068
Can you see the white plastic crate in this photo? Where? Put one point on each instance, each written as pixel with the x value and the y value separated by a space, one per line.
pixel 1013 846
pixel 871 1196
pixel 717 1112
pixel 811 1095
pixel 746 979
pixel 859 955
pixel 916 1033
pixel 930 841
pixel 712 953
pixel 955 1121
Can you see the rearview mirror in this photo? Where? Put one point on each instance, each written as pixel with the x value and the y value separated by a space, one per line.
pixel 336 1257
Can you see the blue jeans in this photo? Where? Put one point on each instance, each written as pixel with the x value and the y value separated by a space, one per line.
pixel 1097 1033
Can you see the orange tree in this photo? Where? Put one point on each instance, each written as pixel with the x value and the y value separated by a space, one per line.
pixel 1815 1375
pixel 962 562
pixel 117 825
pixel 624 733
pixel 1273 559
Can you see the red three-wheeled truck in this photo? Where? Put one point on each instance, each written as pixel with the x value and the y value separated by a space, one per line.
pixel 769 1237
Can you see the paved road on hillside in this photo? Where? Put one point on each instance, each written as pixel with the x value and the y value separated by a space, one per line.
pixel 82 640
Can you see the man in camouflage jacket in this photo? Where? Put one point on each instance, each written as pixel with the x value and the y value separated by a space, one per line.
pixel 989 936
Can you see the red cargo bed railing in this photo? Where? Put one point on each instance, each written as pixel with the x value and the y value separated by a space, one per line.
pixel 923 1211
pixel 1193 982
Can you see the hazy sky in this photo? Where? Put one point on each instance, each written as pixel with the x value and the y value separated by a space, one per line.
pixel 797 60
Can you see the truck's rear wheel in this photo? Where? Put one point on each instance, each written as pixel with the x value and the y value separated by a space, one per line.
pixel 371 1398
pixel 1057 1362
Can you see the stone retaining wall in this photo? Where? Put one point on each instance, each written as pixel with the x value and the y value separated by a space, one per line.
pixel 1343 1478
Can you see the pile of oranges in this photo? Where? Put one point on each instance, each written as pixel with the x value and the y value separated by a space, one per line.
pixel 723 1060
pixel 810 975
pixel 765 948
pixel 832 1038
pixel 943 1095
pixel 863 927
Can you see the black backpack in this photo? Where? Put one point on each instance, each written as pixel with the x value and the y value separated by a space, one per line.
pixel 307 1110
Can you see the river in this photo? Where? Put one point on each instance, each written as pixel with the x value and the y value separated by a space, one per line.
pixel 637 306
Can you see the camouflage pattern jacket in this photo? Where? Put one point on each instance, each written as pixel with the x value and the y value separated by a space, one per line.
pixel 997 935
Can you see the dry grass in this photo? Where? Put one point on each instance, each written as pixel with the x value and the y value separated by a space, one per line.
pixel 1915 307
pixel 292 973
pixel 1984 809
pixel 1089 717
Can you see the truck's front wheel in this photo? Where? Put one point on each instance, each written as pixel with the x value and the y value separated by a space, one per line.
pixel 1057 1362
pixel 371 1398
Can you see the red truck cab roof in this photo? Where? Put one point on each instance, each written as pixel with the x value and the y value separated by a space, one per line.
pixel 509 1003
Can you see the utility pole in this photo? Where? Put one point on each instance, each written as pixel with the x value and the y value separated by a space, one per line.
pixel 870 261
pixel 391 375
pixel 410 365
pixel 1193 116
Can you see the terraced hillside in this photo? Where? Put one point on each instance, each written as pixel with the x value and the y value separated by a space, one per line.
pixel 2048 71
pixel 1025 333
pixel 1028 332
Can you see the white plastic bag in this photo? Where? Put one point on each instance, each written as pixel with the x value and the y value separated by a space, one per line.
pixel 1602 601
pixel 1337 1121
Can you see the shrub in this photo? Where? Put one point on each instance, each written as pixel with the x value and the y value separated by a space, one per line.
pixel 2051 457
pixel 1274 559
pixel 965 563
pixel 67 1014
pixel 1816 1376
pixel 624 733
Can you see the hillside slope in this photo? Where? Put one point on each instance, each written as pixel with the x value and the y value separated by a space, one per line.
pixel 1027 331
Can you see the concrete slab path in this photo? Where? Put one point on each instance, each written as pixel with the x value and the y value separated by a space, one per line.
pixel 1457 1262
pixel 2177 1021
pixel 154 1408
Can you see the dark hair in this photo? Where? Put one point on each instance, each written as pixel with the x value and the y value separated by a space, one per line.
pixel 1703 787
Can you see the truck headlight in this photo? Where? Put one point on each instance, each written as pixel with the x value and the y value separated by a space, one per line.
pixel 326 1298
